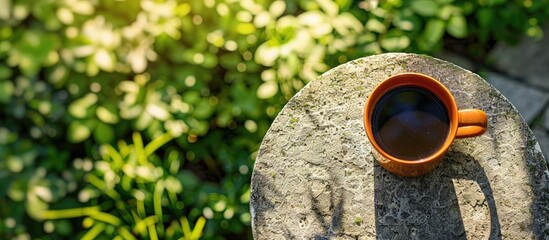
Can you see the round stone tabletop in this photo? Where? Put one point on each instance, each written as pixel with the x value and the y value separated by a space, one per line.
pixel 315 176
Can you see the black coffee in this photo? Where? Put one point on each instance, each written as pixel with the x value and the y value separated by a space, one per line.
pixel 410 123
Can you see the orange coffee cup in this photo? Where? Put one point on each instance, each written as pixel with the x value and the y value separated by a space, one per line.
pixel 411 120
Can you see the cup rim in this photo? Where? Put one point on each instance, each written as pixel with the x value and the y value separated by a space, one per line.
pixel 413 79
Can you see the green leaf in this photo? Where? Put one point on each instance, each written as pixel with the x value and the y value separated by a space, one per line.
pixel 14 164
pixel 396 43
pixel 408 21
pixel 32 50
pixel 265 55
pixel 157 143
pixel 447 11
pixel 203 110
pixel 82 107
pixel 6 91
pixel 490 2
pixel 457 26
pixel 434 30
pixel 345 23
pixel 430 39
pixel 5 72
pixel 344 4
pixel 372 48
pixel 329 7
pixel 7 136
pixel 224 117
pixel 107 113
pixel 535 32
pixel 277 8
pixel 426 8
pixel 230 60
pixel 63 227
pixel 267 89
pixel 104 59
pixel 198 226
pixel 103 133
pixel 210 60
pixel 485 16
pixel 158 110
pixel 78 132
pixel 375 25
pixel 94 231
pixel 245 28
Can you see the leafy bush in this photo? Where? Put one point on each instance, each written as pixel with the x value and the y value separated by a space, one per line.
pixel 422 25
pixel 84 84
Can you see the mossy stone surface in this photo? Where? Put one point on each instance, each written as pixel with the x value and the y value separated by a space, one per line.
pixel 315 176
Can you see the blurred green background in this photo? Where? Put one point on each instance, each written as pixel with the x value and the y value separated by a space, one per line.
pixel 141 119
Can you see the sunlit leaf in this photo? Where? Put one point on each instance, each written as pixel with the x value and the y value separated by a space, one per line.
pixel 266 55
pixel 329 7
pixel 379 12
pixel 345 23
pixel 5 7
pixel 78 132
pixel 310 18
pixel 277 8
pixel 82 7
pixel 107 114
pixel 32 50
pixel 183 9
pixel 395 43
pixel 173 185
pixel 262 19
pixel 176 127
pixel 20 11
pixel 245 28
pixel 267 90
pixel 14 164
pixel 65 15
pixel 143 121
pixel 457 26
pixel 424 7
pixel 158 111
pixel 375 26
pixel 44 193
pixel 535 32
pixel 447 11
pixel 372 48
pixel 104 60
pixel 80 108
pixel 318 23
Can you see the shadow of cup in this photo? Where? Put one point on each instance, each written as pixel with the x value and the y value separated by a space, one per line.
pixel 455 201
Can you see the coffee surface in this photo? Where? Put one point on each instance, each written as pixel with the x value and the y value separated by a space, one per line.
pixel 410 123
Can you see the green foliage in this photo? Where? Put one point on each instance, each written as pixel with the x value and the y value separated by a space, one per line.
pixel 421 25
pixel 84 84
pixel 132 192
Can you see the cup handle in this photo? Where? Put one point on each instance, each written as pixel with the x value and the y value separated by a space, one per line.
pixel 471 123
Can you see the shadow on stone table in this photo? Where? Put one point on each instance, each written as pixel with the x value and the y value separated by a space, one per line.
pixel 440 205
